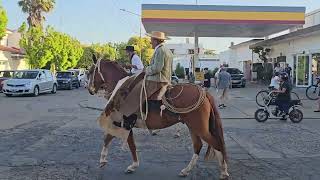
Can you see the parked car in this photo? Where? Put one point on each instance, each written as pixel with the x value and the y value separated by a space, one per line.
pixel 81 73
pixel 237 77
pixel 5 75
pixel 30 82
pixel 67 80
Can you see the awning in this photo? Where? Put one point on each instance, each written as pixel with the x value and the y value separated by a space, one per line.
pixel 287 37
pixel 220 21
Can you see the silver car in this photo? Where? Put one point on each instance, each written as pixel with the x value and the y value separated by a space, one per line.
pixel 30 82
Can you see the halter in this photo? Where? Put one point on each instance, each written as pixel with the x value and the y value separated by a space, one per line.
pixel 98 68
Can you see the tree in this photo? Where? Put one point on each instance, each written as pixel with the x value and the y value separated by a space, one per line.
pixel 3 22
pixel 142 45
pixel 105 51
pixel 22 28
pixel 86 59
pixel 121 55
pixel 179 71
pixel 35 10
pixel 44 49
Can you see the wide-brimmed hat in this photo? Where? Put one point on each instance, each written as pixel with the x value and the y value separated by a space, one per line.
pixel 129 48
pixel 158 35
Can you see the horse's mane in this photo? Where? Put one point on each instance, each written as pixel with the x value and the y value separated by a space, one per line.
pixel 116 65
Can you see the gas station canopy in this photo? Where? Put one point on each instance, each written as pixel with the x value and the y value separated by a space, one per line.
pixel 220 21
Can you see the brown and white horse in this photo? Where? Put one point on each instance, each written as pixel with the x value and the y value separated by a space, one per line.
pixel 204 123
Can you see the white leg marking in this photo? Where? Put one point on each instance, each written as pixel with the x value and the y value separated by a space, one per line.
pixel 223 165
pixel 132 168
pixel 185 172
pixel 103 155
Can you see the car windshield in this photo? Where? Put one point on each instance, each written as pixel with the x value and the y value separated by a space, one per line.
pixel 234 71
pixel 63 74
pixel 26 75
pixel 6 74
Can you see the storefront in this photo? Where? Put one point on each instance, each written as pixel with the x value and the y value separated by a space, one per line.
pixel 301 50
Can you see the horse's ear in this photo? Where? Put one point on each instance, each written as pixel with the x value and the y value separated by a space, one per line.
pixel 94 58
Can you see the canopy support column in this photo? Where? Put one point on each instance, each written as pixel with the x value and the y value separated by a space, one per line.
pixel 196 52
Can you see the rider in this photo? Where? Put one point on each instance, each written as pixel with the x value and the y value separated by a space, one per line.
pixel 158 73
pixel 136 65
pixel 284 95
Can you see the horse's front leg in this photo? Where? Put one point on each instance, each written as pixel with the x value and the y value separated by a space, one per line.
pixel 197 145
pixel 132 146
pixel 104 152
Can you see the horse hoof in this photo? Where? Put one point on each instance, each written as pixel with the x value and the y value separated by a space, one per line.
pixel 129 171
pixel 224 177
pixel 183 174
pixel 102 164
pixel 177 135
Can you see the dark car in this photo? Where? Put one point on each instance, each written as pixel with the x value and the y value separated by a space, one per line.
pixel 5 75
pixel 67 80
pixel 237 77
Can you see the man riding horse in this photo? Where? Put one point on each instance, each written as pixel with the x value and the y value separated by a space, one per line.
pixel 158 76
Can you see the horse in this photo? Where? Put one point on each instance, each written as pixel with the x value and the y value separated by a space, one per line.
pixel 204 123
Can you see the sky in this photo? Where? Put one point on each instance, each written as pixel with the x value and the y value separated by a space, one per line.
pixel 101 21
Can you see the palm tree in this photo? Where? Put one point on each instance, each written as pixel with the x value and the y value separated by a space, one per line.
pixel 35 8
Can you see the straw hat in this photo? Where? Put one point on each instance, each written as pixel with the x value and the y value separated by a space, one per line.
pixel 158 35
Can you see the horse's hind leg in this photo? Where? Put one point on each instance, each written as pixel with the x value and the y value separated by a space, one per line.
pixel 213 152
pixel 134 154
pixel 104 152
pixel 197 145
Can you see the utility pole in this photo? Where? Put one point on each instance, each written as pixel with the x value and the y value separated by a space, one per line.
pixel 124 10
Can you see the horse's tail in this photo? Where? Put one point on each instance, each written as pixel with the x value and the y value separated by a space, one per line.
pixel 215 128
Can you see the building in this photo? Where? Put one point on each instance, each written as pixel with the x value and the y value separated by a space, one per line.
pixel 184 53
pixel 241 57
pixel 300 48
pixel 11 56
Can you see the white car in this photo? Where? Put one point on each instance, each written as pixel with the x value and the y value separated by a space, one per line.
pixel 30 82
pixel 81 73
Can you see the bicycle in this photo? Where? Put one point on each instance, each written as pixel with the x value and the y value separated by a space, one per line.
pixel 313 91
pixel 264 95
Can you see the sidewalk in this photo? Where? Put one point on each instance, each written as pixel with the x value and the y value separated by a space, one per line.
pixel 242 104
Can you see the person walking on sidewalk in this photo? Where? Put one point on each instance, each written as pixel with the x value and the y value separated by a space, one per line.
pixel 207 79
pixel 224 83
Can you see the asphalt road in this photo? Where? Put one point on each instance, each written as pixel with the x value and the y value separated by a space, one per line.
pixel 53 137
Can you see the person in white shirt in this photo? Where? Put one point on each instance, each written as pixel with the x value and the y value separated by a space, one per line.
pixel 136 65
pixel 275 81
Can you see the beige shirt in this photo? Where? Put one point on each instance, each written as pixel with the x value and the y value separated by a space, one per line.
pixel 160 69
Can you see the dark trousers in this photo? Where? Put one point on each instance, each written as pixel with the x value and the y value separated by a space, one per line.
pixel 283 105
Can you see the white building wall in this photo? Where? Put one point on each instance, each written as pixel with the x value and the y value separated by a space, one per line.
pixel 312 18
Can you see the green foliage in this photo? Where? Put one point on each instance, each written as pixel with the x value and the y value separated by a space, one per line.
pixel 23 27
pixel 35 10
pixel 50 47
pixel 86 59
pixel 210 52
pixel 179 71
pixel 3 22
pixel 144 44
pixel 105 51
pixel 121 53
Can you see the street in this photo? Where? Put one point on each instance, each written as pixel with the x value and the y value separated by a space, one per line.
pixel 55 136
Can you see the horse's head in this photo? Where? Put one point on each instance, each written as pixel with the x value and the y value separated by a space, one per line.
pixel 104 74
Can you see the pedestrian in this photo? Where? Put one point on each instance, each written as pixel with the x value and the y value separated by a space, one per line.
pixel 275 81
pixel 277 69
pixel 207 79
pixel 136 65
pixel 318 100
pixel 224 83
pixel 288 70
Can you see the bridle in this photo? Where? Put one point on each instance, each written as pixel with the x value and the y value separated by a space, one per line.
pixel 97 68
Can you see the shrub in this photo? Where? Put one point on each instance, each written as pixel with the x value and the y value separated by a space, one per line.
pixel 179 71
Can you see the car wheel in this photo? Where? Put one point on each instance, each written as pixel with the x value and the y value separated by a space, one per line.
pixel 78 85
pixel 243 85
pixel 9 95
pixel 54 89
pixel 36 91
